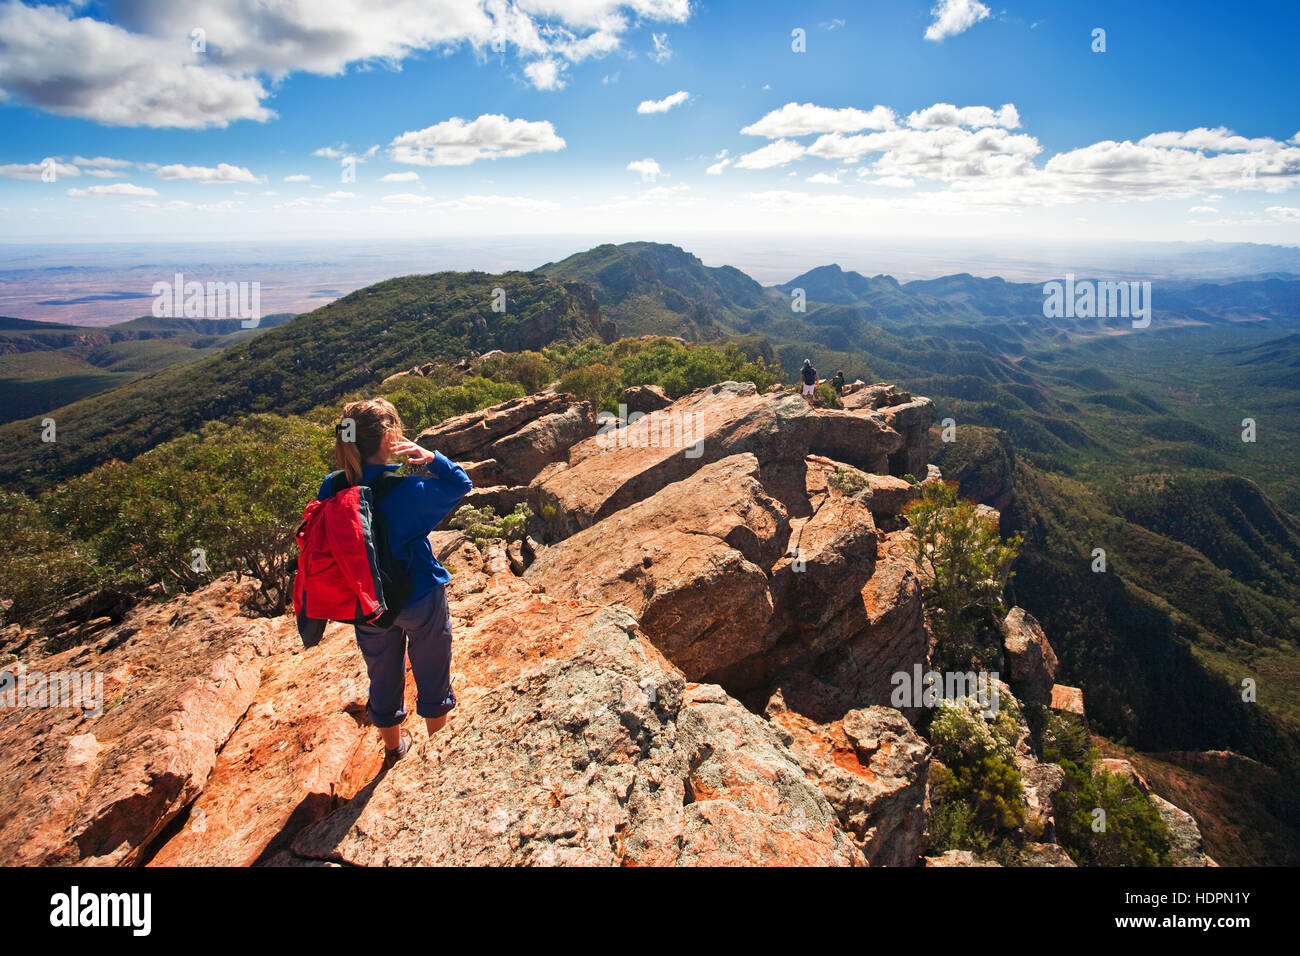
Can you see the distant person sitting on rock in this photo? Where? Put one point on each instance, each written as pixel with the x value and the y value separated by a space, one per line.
pixel 838 382
pixel 809 375
pixel 369 435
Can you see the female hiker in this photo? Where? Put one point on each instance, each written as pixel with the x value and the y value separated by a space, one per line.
pixel 410 510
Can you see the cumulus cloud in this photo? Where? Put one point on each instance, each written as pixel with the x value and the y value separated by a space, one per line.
pixel 773 154
pixel 141 70
pixel 455 142
pixel 82 67
pixel 297 178
pixel 664 105
pixel 952 17
pixel 105 162
pixel 221 173
pixel 974 152
pixel 647 167
pixel 1285 213
pixel 33 171
pixel 117 189
pixel 945 114
pixel 800 119
pixel 407 177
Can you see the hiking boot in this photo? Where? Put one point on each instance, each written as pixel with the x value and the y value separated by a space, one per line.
pixel 392 756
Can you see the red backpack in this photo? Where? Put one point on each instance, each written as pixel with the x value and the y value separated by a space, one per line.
pixel 346 571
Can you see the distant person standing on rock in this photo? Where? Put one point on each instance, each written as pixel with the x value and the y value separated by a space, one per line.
pixel 410 508
pixel 809 375
pixel 838 382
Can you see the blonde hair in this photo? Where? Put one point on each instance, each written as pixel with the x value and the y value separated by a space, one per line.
pixel 370 420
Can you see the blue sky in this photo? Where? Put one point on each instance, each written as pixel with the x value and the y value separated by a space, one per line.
pixel 660 118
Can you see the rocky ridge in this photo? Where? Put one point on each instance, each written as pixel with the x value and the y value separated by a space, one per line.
pixel 687 660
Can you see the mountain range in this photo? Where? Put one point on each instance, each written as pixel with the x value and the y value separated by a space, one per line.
pixel 1086 433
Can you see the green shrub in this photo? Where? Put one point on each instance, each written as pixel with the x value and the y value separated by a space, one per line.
pixel 483 525
pixel 228 498
pixel 825 395
pixel 530 370
pixel 1134 834
pixel 1066 738
pixel 39 563
pixel 423 403
pixel 848 480
pixel 602 385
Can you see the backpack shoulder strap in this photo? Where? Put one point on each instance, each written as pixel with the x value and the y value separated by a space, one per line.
pixel 337 481
pixel 384 484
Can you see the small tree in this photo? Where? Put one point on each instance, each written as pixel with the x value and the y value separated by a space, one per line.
pixel 965 567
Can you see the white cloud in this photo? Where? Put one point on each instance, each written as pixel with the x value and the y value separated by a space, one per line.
pixel 406 199
pixel 945 114
pixel 1202 209
pixel 773 154
pixel 73 65
pixel 893 182
pixel 105 173
pixel 336 196
pixel 33 171
pixel 103 161
pixel 717 168
pixel 117 189
pixel 329 152
pixel 799 119
pixel 1219 140
pixel 826 179
pixel 546 74
pixel 664 105
pixel 141 70
pixel 455 142
pixel 952 17
pixel 407 177
pixel 1284 213
pixel 647 167
pixel 221 173
pixel 297 178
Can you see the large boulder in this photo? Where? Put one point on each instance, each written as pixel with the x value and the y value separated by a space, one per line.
pixel 873 768
pixel 690 562
pixel 1031 662
pixel 645 399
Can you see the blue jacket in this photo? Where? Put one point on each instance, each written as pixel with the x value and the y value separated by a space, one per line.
pixel 414 509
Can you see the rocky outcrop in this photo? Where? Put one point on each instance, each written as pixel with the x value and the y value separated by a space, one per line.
pixel 576 742
pixel 872 767
pixel 1068 699
pixel 1031 662
pixel 177 679
pixel 621 466
pixel 645 399
pixel 508 444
